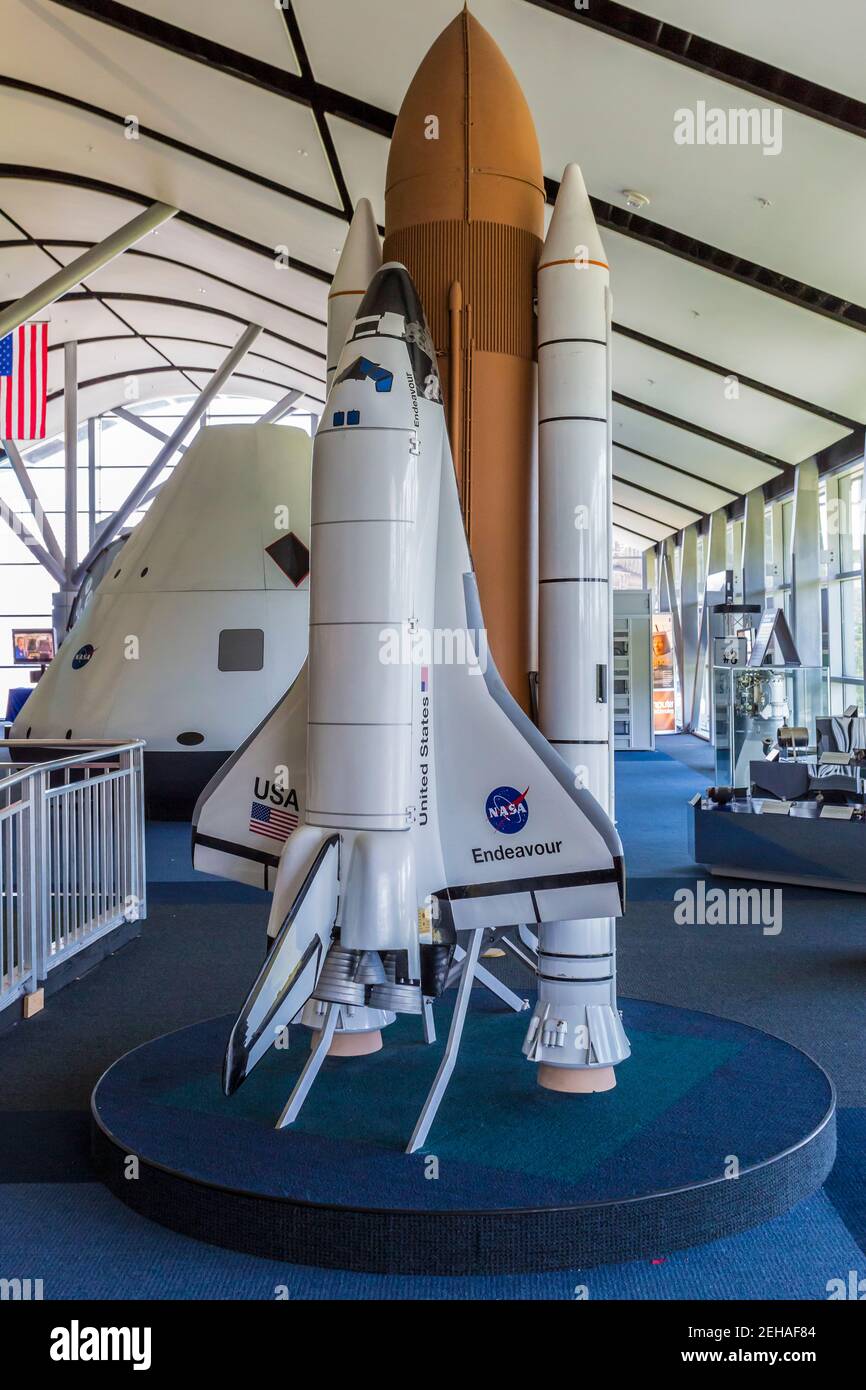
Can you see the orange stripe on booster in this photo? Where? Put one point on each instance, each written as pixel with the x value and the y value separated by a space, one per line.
pixel 575 261
pixel 336 294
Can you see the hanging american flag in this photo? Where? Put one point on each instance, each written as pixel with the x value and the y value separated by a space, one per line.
pixel 24 382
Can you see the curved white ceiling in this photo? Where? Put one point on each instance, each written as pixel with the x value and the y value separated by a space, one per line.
pixel 244 160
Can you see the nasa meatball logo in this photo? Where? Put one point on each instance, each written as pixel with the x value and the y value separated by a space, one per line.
pixel 82 657
pixel 507 810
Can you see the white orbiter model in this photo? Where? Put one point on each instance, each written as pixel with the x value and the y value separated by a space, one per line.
pixel 432 803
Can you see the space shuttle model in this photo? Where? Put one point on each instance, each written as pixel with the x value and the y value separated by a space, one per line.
pixel 431 802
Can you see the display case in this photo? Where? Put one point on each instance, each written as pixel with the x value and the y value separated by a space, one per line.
pixel 632 669
pixel 750 703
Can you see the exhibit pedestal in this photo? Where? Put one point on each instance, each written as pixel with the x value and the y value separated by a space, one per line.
pixel 712 1127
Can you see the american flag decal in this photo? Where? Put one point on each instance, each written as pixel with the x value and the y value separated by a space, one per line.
pixel 24 382
pixel 274 822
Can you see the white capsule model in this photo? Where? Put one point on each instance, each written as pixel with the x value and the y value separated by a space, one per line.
pixel 576 959
pixel 198 626
pixel 360 259
pixel 433 804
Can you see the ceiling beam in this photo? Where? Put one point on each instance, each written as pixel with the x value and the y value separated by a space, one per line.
pixel 180 371
pixel 267 77
pixel 317 97
pixel 750 382
pixel 85 291
pixel 132 297
pixel 769 460
pixel 213 160
pixel 659 520
pixel 180 338
pixel 47 243
pixel 659 496
pixel 296 39
pixel 68 276
pixel 629 530
pixel 764 80
pixel 738 268
pixel 675 468
pixel 642 516
pixel 67 180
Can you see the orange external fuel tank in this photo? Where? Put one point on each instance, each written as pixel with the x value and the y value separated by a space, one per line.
pixel 464 212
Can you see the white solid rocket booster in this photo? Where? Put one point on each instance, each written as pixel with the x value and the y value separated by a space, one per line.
pixel 577 973
pixel 361 258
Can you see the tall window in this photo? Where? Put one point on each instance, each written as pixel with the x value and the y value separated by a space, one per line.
pixel 627 566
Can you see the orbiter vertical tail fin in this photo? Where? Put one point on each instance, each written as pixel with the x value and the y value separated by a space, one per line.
pixel 257 798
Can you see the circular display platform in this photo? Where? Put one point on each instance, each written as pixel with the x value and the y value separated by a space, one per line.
pixel 713 1127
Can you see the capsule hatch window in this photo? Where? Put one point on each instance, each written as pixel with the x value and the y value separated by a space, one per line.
pixel 241 649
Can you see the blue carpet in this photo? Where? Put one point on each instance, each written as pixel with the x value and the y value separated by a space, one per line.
pixel 169 854
pixel 97 1248
pixel 200 948
pixel 653 827
pixel 640 755
pixel 846 1186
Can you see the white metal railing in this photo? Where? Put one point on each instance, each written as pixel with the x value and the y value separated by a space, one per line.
pixel 71 853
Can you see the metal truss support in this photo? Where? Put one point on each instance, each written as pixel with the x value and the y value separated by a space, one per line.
pixel 669 603
pixel 20 529
pixel 281 408
pixel 19 468
pixel 71 275
pixel 805 564
pixel 193 415
pixel 92 450
pixel 715 547
pixel 70 453
pixel 689 620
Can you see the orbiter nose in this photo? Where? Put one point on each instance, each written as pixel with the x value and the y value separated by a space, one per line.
pixel 391 291
pixel 391 308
